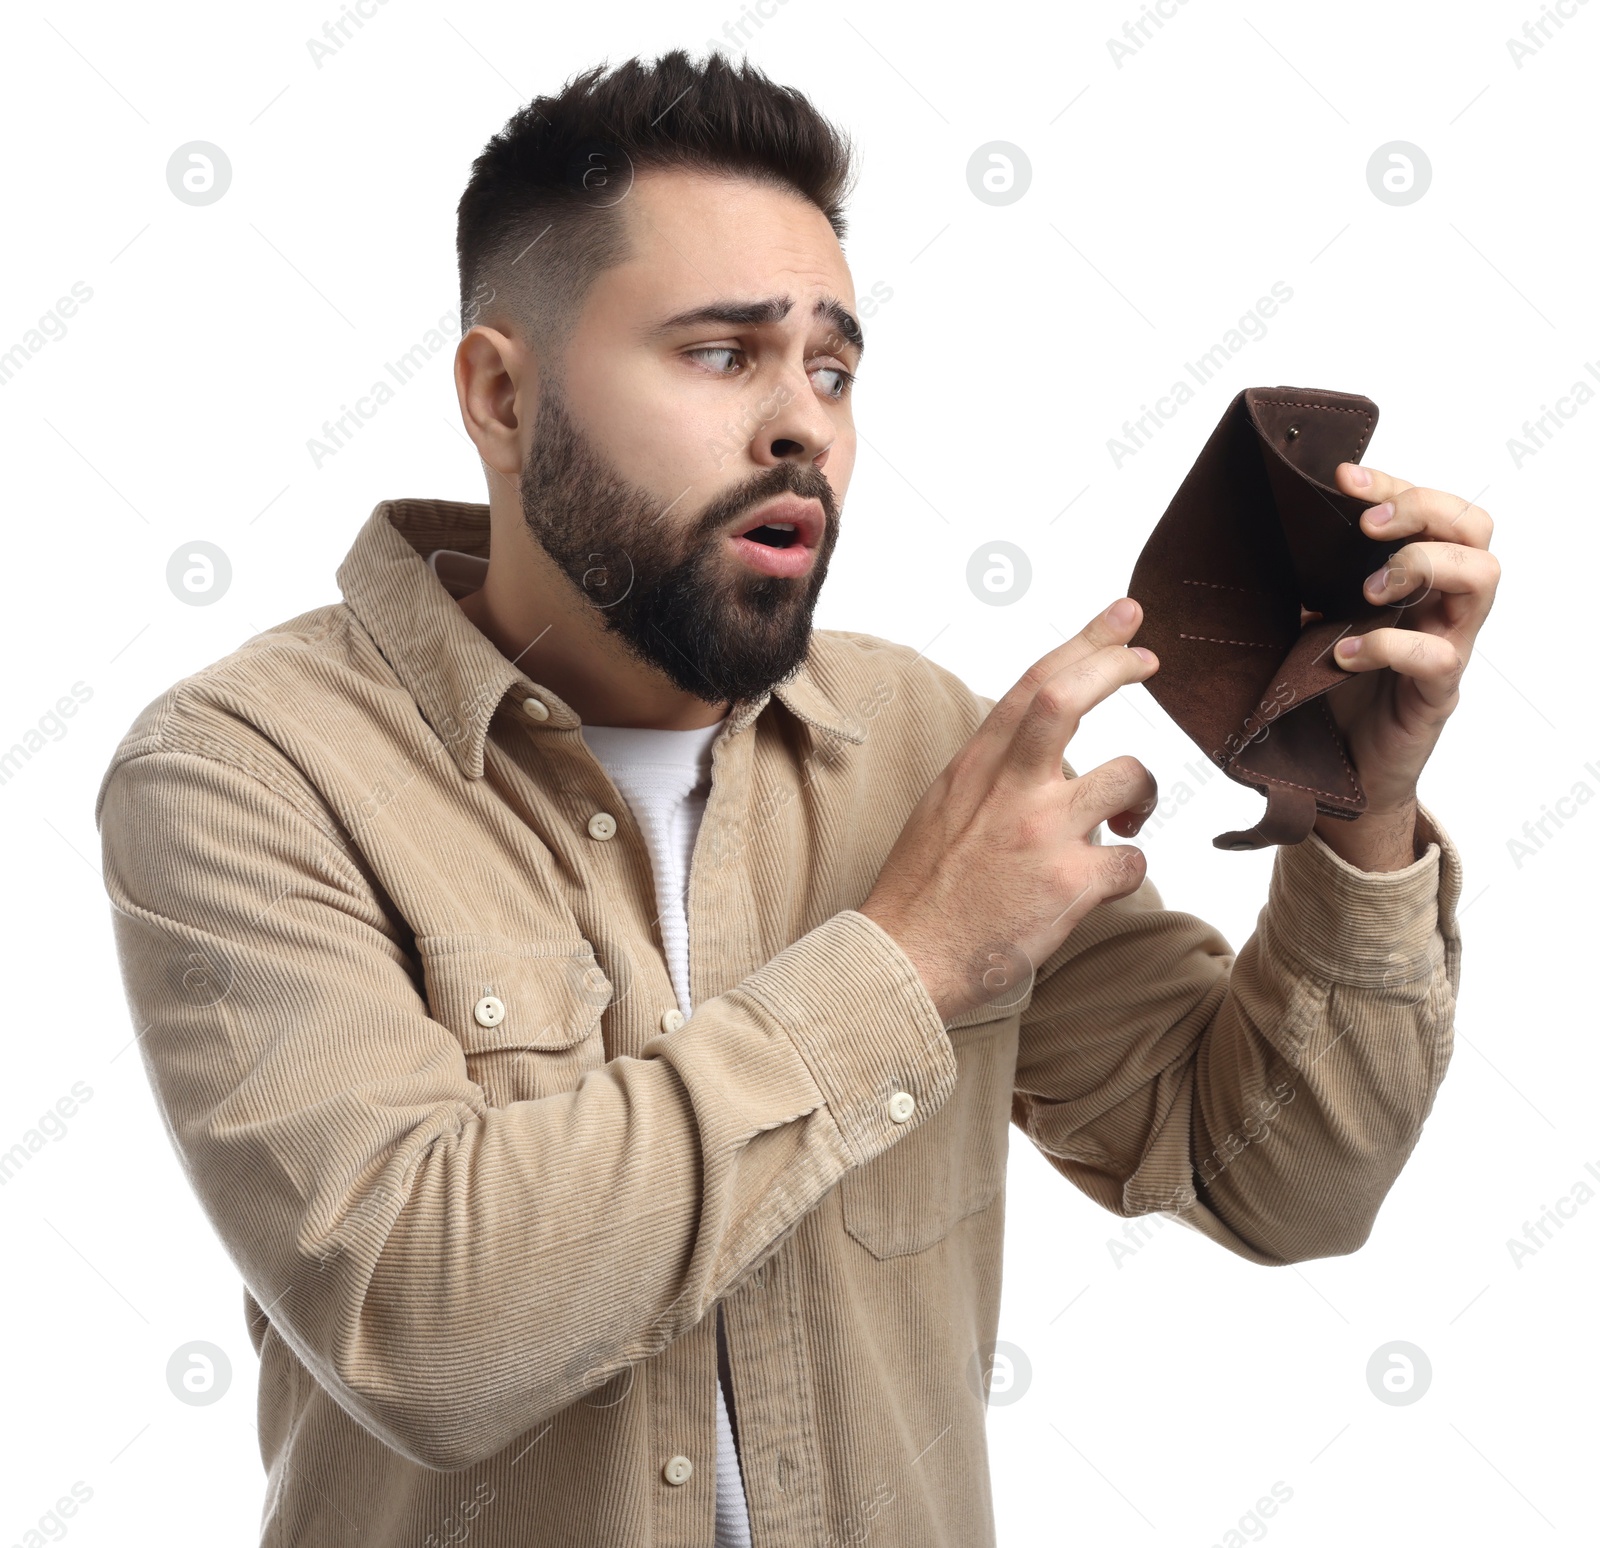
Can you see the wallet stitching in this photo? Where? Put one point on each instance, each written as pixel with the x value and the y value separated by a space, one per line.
pixel 1338 742
pixel 1216 640
pixel 1336 408
pixel 1254 591
pixel 1294 784
pixel 1333 795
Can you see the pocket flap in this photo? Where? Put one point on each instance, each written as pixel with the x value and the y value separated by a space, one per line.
pixel 511 994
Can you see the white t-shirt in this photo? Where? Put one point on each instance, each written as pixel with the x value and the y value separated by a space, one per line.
pixel 666 777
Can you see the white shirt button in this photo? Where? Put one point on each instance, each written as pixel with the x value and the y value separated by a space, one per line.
pixel 489 1012
pixel 901 1106
pixel 602 825
pixel 677 1470
pixel 535 709
pixel 672 1019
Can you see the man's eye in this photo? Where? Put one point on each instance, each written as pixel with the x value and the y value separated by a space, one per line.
pixel 717 349
pixel 844 379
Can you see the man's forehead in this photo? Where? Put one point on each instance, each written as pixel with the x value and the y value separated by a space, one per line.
pixel 694 232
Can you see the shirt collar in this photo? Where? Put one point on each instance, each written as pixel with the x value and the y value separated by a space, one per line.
pixel 453 671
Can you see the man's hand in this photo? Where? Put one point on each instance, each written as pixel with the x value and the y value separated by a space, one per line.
pixel 995 864
pixel 1445 583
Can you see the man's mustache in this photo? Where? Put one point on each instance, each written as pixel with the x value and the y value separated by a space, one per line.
pixel 808 484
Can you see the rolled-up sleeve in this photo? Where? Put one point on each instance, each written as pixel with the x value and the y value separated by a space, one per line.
pixel 452 1271
pixel 1268 1099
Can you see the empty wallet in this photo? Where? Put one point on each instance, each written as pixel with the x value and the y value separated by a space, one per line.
pixel 1256 532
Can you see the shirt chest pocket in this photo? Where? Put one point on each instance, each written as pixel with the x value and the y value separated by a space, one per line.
pixel 528 1015
pixel 950 1166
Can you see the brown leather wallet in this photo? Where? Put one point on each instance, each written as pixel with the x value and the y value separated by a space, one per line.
pixel 1256 536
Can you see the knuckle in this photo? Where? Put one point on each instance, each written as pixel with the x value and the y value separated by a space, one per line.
pixel 1089 788
pixel 1122 868
pixel 1035 828
pixel 1050 701
pixel 1081 680
pixel 1036 676
pixel 1066 875
pixel 1115 780
pixel 1130 771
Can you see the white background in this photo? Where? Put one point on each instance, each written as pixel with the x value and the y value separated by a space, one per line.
pixel 1168 1394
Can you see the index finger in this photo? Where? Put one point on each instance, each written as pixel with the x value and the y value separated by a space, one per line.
pixel 1107 628
pixel 1051 720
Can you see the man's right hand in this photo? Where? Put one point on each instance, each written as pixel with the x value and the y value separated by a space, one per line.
pixel 996 863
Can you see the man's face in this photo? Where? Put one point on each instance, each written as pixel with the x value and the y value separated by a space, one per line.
pixel 664 436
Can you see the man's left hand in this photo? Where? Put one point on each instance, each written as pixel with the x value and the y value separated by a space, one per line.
pixel 1444 577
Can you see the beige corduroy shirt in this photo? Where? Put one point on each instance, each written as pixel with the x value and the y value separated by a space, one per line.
pixel 388 931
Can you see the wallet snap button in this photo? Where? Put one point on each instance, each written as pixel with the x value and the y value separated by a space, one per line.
pixel 1291 433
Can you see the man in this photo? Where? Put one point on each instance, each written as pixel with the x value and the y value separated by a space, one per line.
pixel 405 902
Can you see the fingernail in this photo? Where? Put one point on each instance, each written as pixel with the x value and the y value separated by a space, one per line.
pixel 1143 654
pixel 1120 613
pixel 1347 650
pixel 1380 514
pixel 1359 476
pixel 1377 581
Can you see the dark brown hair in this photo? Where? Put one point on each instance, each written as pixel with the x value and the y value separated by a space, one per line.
pixel 543 212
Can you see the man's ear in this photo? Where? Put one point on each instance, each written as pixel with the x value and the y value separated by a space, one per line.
pixel 496 385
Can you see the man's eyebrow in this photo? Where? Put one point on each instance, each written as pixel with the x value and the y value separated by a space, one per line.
pixel 747 314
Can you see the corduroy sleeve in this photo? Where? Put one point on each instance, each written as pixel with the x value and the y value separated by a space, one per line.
pixel 1267 1099
pixel 452 1271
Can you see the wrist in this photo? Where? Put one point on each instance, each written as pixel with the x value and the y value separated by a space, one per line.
pixel 942 990
pixel 1377 840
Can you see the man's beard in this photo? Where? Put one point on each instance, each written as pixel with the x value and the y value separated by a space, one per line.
pixel 715 628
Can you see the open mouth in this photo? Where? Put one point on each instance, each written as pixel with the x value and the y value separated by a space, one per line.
pixel 775 534
pixel 778 547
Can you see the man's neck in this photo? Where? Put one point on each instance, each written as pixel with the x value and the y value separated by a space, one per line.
pixel 565 648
